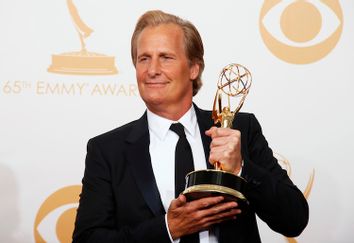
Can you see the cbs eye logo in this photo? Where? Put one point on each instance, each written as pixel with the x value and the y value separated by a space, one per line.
pixel 301 31
pixel 55 218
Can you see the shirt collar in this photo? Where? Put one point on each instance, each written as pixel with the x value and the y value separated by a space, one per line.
pixel 160 125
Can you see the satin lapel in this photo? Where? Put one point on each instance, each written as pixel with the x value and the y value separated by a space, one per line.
pixel 138 158
pixel 205 123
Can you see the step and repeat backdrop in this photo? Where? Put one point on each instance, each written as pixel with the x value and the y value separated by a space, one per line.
pixel 66 76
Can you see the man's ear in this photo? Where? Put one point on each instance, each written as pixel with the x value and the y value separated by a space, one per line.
pixel 194 71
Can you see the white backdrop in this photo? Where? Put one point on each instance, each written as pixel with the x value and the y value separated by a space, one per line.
pixel 301 94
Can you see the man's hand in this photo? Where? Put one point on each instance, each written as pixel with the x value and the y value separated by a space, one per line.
pixel 185 218
pixel 225 148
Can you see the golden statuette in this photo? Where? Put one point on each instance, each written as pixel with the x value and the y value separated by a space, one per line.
pixel 234 83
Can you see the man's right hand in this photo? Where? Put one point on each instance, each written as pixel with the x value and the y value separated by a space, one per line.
pixel 185 218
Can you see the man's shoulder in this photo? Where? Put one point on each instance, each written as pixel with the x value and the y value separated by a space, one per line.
pixel 119 133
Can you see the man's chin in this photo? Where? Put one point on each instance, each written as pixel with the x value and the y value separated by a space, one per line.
pixel 153 101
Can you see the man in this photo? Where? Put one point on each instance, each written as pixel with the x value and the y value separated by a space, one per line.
pixel 128 185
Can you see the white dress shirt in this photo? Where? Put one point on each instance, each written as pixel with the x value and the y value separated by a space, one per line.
pixel 162 151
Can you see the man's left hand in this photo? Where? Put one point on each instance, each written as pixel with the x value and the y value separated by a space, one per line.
pixel 225 148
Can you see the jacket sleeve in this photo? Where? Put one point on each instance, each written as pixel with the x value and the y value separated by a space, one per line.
pixel 96 215
pixel 270 192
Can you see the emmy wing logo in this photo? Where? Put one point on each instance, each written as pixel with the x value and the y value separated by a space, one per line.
pixel 300 31
pixel 82 62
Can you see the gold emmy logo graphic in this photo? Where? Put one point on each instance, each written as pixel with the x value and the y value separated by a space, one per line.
pixel 301 31
pixel 63 204
pixel 286 165
pixel 82 62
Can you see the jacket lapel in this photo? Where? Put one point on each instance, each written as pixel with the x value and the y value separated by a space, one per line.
pixel 205 123
pixel 138 158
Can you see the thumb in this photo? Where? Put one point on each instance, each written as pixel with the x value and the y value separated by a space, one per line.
pixel 178 202
pixel 211 132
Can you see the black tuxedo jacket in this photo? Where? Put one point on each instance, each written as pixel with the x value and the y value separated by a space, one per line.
pixel 120 201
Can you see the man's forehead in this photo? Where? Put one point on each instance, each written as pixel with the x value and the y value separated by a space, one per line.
pixel 163 35
pixel 161 29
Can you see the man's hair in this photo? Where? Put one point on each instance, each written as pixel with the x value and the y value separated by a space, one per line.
pixel 193 44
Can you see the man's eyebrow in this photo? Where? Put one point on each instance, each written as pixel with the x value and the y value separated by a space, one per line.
pixel 165 53
pixel 144 54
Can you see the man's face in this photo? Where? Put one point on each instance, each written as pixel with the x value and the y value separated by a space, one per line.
pixel 163 71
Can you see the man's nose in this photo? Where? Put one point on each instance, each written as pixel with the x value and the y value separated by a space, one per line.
pixel 154 67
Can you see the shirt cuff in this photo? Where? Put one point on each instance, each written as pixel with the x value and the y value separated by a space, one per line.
pixel 239 173
pixel 168 231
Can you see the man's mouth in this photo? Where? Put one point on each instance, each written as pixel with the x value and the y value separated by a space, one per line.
pixel 156 83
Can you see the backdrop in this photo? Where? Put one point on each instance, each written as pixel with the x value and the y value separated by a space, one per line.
pixel 66 76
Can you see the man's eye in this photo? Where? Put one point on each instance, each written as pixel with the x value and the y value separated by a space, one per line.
pixel 142 59
pixel 167 57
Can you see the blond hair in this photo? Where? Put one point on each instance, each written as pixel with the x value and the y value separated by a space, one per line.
pixel 192 41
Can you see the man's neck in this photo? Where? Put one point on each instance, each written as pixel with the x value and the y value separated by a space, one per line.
pixel 171 113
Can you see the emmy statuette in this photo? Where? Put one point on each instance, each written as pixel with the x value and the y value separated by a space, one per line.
pixel 82 62
pixel 234 83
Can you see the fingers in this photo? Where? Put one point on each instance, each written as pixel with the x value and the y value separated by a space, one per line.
pixel 224 137
pixel 225 148
pixel 221 210
pixel 232 138
pixel 189 217
pixel 212 208
pixel 218 218
pixel 229 213
pixel 184 217
pixel 220 132
pixel 216 214
pixel 229 162
pixel 195 205
pixel 204 203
